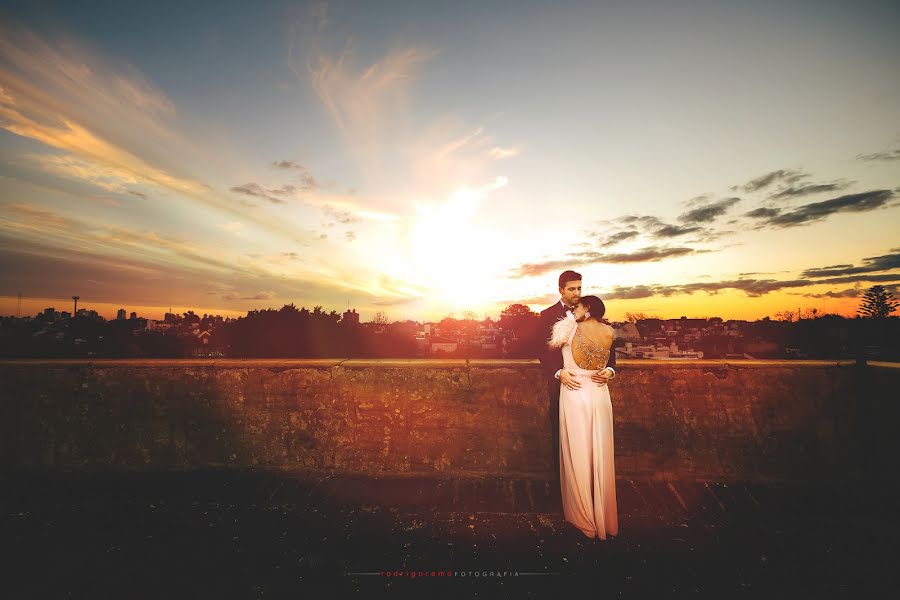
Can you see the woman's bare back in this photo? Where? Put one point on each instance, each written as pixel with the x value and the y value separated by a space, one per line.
pixel 591 344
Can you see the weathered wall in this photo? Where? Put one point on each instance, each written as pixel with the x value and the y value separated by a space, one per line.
pixel 718 420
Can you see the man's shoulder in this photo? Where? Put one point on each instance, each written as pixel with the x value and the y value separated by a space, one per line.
pixel 550 310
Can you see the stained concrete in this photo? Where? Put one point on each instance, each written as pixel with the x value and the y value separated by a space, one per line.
pixel 231 534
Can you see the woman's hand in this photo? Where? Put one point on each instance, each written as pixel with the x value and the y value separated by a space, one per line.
pixel 602 377
pixel 569 380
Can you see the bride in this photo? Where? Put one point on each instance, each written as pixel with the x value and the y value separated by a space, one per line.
pixel 587 469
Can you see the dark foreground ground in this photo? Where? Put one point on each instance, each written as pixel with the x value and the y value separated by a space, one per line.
pixel 227 534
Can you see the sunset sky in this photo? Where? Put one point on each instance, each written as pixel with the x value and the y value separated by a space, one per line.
pixel 729 159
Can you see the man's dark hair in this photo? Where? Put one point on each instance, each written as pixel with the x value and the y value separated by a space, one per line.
pixel 568 276
pixel 595 306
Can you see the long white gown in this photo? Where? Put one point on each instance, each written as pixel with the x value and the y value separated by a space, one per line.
pixel 586 452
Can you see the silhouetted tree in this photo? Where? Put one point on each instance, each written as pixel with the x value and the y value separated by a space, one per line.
pixel 878 303
pixel 520 320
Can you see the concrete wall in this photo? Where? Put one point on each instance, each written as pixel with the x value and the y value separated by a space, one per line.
pixel 694 420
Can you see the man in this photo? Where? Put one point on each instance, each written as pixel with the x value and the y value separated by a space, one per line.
pixel 552 360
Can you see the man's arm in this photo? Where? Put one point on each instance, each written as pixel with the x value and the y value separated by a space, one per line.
pixel 611 363
pixel 551 358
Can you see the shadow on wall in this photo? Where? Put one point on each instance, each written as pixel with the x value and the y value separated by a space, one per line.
pixel 756 421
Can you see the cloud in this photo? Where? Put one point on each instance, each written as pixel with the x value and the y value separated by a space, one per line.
pixel 763 181
pixel 258 296
pixel 808 189
pixel 674 230
pixel 287 164
pixel 574 259
pixel 88 171
pixel 271 195
pixel 701 199
pixel 360 101
pixel 708 212
pixel 307 182
pixel 862 202
pixel 763 212
pixel 752 287
pixel 399 160
pixel 29 222
pixel 853 278
pixel 340 215
pixel 847 293
pixel 615 238
pixel 885 262
pixel 652 227
pixel 893 154
pixel 350 235
pixel 498 153
pixel 111 126
pixel 645 221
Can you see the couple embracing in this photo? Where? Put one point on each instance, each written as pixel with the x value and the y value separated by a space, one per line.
pixel 578 360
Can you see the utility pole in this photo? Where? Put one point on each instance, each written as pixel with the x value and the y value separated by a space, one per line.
pixel 75 312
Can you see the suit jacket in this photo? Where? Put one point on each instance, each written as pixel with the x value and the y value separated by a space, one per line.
pixel 551 358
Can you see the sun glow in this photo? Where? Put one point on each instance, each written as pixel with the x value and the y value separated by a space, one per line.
pixel 450 249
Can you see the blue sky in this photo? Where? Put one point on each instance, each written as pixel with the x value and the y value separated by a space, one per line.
pixel 697 158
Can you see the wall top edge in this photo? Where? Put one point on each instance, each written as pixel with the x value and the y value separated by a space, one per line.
pixel 416 363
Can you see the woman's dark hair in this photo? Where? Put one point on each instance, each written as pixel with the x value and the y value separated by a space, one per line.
pixel 594 306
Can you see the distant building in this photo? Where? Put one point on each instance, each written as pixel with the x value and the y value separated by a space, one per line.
pixel 133 315
pixel 441 344
pixel 628 332
pixel 351 317
pixel 84 313
pixel 120 314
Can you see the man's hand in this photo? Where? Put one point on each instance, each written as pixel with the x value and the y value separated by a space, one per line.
pixel 600 377
pixel 569 380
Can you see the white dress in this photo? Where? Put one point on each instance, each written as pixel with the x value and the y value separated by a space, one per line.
pixel 586 462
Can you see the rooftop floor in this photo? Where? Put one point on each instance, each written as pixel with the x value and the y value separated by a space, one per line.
pixel 243 534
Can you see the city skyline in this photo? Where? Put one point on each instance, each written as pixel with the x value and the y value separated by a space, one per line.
pixel 696 159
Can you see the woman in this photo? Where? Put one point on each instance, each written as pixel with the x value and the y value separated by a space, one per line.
pixel 587 469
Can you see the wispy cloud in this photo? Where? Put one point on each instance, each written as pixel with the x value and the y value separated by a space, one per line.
pixel 307 182
pixel 258 296
pixel 59 92
pixel 751 287
pixel 87 171
pixel 270 194
pixel 590 257
pixel 708 212
pixel 787 176
pixel 762 212
pixel 893 154
pixel 817 211
pixel 809 189
pixel 668 231
pixel 498 153
pixel 871 264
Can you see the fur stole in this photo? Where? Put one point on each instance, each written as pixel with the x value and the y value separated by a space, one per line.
pixel 562 331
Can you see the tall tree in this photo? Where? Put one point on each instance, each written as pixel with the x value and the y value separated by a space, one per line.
pixel 878 303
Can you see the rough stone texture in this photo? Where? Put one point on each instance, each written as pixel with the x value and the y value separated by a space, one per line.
pixel 699 420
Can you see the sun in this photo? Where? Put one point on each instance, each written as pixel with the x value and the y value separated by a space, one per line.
pixel 449 249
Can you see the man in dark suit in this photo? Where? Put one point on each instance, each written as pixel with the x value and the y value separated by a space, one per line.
pixel 552 360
